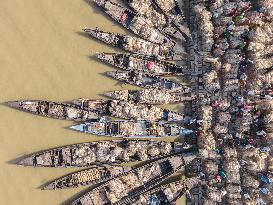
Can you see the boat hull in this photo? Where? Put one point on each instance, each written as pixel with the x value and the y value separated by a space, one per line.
pixel 159 20
pixel 141 63
pixel 130 129
pixel 166 194
pixel 87 177
pixel 137 45
pixel 149 96
pixel 102 152
pixel 140 25
pixel 122 188
pixel 55 110
pixel 128 110
pixel 146 80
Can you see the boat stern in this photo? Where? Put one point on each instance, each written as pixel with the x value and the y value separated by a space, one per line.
pixel 78 127
pixel 14 104
pixel 101 56
pixel 107 57
pixel 49 186
pixel 28 161
pixel 112 74
pixel 91 32
pixel 117 95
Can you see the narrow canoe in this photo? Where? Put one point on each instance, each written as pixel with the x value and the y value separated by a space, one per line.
pixel 130 184
pixel 137 45
pixel 173 12
pixel 102 152
pixel 140 25
pixel 141 63
pixel 149 96
pixel 53 110
pixel 166 194
pixel 131 129
pixel 128 110
pixel 146 80
pixel 90 176
pixel 159 20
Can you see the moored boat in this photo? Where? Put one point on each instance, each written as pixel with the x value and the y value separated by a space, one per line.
pixel 170 7
pixel 146 80
pixel 166 194
pixel 90 176
pixel 137 45
pixel 132 129
pixel 173 11
pixel 122 188
pixel 140 25
pixel 159 20
pixel 102 152
pixel 128 110
pixel 141 63
pixel 53 110
pixel 149 96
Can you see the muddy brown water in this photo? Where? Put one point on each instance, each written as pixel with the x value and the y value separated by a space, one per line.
pixel 44 55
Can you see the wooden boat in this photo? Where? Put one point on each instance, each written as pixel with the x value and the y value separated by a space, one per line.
pixel 151 96
pixel 159 20
pixel 131 128
pixel 53 110
pixel 141 63
pixel 128 110
pixel 90 176
pixel 120 189
pixel 166 194
pixel 137 45
pixel 146 80
pixel 140 25
pixel 174 13
pixel 102 152
pixel 169 7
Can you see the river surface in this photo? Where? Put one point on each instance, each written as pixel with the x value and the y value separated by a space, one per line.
pixel 44 55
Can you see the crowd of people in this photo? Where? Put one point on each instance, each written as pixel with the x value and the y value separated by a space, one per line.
pixel 234 100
